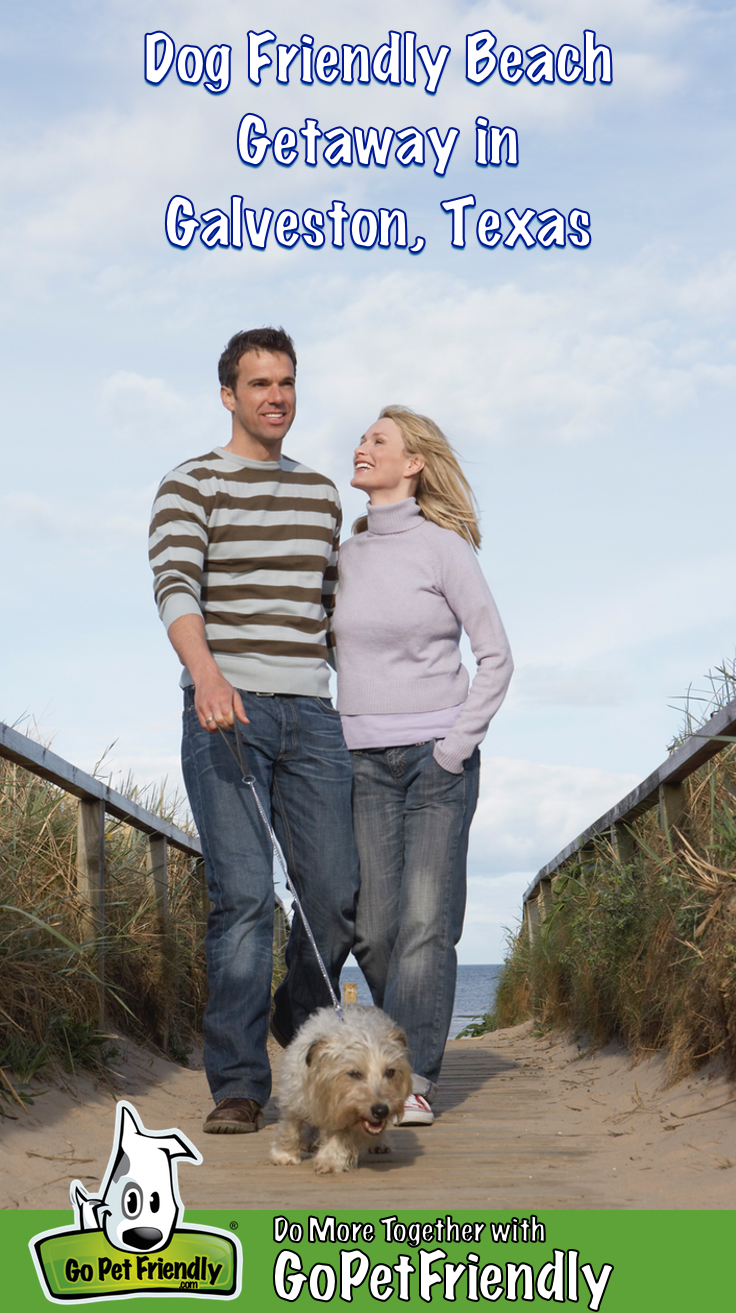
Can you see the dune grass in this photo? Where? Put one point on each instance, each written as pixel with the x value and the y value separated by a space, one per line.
pixel 49 964
pixel 642 950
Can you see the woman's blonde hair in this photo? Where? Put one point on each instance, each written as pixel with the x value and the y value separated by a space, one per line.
pixel 443 492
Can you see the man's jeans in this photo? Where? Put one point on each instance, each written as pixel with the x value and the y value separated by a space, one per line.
pixel 412 820
pixel 295 749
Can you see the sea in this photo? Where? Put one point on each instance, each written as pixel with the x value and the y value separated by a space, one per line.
pixel 474 993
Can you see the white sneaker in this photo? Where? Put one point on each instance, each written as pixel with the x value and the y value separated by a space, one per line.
pixel 417 1112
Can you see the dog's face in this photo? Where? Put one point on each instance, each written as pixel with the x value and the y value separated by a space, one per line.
pixel 358 1080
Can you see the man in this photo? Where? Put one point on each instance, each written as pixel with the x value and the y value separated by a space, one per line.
pixel 244 551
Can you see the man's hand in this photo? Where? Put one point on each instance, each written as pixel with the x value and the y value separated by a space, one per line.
pixel 216 702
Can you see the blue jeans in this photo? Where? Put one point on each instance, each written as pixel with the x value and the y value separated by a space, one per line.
pixel 295 749
pixel 412 821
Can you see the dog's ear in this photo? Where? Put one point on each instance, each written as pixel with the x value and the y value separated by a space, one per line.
pixel 314 1050
pixel 398 1035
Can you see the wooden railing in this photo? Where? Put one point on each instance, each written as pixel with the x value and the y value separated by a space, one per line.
pixel 663 789
pixel 96 800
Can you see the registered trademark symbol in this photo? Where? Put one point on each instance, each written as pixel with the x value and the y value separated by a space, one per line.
pixel 233 1226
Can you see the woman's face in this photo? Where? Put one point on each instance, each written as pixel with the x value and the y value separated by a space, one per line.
pixel 382 467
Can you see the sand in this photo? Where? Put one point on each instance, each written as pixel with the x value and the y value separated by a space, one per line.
pixel 524 1121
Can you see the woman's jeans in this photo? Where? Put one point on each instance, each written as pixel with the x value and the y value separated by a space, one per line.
pixel 412 820
pixel 295 749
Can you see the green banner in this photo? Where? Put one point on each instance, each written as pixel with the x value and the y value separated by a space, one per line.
pixel 629 1261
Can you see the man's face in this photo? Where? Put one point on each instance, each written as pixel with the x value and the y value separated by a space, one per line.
pixel 263 403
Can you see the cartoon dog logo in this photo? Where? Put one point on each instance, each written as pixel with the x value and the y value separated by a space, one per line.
pixel 130 1240
pixel 138 1205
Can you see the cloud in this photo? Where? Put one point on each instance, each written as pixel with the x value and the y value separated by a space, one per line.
pixel 85 186
pixel 494 909
pixel 626 26
pixel 561 362
pixel 116 518
pixel 152 776
pixel 149 411
pixel 629 613
pixel 128 400
pixel 528 812
pixel 559 685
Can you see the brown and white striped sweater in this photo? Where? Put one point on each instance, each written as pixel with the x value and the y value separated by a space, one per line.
pixel 252 547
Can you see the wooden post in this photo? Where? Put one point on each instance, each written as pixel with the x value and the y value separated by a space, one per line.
pixel 200 875
pixel 545 898
pixel 622 842
pixel 156 864
pixel 672 805
pixel 91 862
pixel 531 917
pixel 91 881
pixel 281 928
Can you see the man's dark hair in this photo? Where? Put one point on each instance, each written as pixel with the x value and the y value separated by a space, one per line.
pixel 255 339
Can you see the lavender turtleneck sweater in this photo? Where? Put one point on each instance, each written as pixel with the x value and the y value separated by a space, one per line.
pixel 407 589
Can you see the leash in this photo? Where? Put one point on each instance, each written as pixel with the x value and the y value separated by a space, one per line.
pixel 249 779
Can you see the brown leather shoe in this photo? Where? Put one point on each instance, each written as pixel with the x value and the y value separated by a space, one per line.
pixel 234 1117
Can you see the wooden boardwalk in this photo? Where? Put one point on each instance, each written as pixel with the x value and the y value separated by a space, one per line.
pixel 485 1150
pixel 525 1124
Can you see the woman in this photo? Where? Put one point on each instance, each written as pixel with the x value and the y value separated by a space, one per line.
pixel 409 584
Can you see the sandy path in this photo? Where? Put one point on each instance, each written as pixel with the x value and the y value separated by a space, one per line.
pixel 524 1122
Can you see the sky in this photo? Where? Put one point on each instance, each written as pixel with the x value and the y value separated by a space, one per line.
pixel 589 390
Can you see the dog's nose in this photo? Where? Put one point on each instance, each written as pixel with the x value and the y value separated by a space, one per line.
pixel 379 1111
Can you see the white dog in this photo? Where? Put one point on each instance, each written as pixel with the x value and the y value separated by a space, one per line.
pixel 345 1079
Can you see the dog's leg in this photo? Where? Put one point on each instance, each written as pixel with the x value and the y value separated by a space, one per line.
pixel 337 1153
pixel 287 1150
